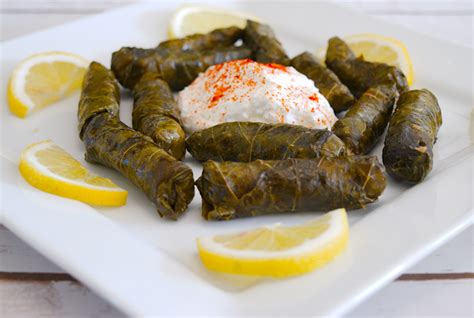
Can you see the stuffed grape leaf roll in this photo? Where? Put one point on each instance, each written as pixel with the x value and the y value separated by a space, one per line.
pixel 100 93
pixel 365 122
pixel 155 114
pixel 412 131
pixel 232 190
pixel 167 182
pixel 200 42
pixel 360 75
pixel 177 68
pixel 249 141
pixel 265 47
pixel 338 95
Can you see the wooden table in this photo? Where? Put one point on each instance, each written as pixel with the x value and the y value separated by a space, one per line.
pixel 440 285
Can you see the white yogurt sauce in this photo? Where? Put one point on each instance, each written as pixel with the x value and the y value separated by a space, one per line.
pixel 244 90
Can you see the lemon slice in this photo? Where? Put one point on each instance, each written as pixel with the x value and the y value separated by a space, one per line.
pixel 43 79
pixel 378 48
pixel 49 168
pixel 191 19
pixel 277 250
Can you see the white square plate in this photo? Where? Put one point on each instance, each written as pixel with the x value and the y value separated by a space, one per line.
pixel 149 266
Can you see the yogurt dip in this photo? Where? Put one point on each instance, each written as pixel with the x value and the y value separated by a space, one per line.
pixel 244 90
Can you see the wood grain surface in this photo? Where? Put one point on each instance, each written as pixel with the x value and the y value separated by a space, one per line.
pixel 441 285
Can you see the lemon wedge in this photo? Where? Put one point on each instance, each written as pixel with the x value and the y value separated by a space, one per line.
pixel 49 168
pixel 192 19
pixel 43 79
pixel 379 48
pixel 277 250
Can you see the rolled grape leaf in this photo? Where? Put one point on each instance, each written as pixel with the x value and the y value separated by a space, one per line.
pixel 338 95
pixel 201 42
pixel 108 141
pixel 178 69
pixel 360 75
pixel 365 122
pixel 129 64
pixel 155 114
pixel 167 182
pixel 266 48
pixel 100 93
pixel 232 190
pixel 249 141
pixel 412 131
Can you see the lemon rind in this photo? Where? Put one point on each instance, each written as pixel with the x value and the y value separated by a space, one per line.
pixel 295 261
pixel 275 267
pixel 20 103
pixel 34 174
pixel 183 10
